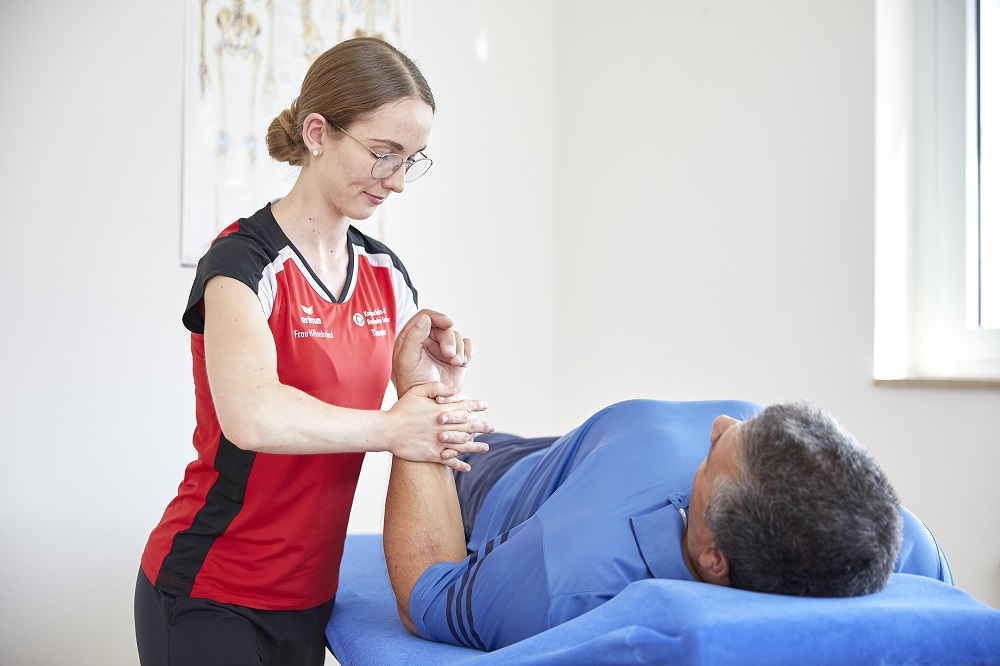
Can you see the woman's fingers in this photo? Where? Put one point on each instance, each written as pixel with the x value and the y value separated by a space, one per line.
pixel 463 442
pixel 456 464
pixel 465 425
pixel 465 415
pixel 459 417
pixel 450 456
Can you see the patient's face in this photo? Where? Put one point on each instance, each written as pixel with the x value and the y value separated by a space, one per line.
pixel 719 463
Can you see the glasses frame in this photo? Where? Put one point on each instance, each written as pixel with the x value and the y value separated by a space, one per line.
pixel 405 163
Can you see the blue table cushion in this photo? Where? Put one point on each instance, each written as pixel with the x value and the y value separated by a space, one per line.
pixel 915 620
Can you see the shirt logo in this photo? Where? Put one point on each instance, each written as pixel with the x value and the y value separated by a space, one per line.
pixel 359 319
pixel 309 319
pixel 374 318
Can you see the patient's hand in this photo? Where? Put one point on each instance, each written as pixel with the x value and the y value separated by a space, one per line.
pixel 429 349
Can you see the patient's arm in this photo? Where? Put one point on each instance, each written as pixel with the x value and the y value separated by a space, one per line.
pixel 423 526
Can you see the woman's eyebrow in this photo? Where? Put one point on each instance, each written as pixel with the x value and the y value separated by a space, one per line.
pixel 389 142
pixel 398 148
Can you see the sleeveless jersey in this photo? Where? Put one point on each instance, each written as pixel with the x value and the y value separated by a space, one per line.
pixel 267 530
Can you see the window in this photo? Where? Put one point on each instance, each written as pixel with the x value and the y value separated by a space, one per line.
pixel 984 231
pixel 937 247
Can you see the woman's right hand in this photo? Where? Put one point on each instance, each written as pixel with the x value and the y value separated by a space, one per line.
pixel 430 423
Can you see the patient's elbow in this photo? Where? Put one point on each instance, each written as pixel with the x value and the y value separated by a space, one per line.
pixel 404 617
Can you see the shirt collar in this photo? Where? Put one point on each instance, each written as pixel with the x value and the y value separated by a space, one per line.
pixel 659 538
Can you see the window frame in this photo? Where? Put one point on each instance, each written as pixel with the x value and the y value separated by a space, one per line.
pixel 927 188
pixel 983 232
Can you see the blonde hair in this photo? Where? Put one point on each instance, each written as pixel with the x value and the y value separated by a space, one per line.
pixel 348 81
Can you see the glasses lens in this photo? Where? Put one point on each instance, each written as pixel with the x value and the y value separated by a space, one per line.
pixel 386 165
pixel 417 169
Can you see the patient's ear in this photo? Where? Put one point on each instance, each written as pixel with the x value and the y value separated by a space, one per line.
pixel 714 566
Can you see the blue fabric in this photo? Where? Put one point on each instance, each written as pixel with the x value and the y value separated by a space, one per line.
pixel 506 450
pixel 568 528
pixel 920 553
pixel 915 620
pixel 593 503
pixel 555 537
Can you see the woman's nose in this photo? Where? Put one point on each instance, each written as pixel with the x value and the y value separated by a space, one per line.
pixel 397 181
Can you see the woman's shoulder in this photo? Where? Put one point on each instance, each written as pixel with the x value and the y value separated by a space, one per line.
pixel 371 246
pixel 255 237
pixel 243 251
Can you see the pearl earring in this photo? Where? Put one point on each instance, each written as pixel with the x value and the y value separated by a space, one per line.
pixel 315 152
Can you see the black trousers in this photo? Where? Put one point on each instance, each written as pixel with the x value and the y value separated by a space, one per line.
pixel 487 468
pixel 181 631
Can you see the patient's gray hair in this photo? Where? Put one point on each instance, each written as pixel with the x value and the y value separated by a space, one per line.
pixel 812 513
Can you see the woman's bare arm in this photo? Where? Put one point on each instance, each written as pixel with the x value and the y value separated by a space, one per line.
pixel 259 413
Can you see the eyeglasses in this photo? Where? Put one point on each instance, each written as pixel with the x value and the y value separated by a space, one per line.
pixel 388 164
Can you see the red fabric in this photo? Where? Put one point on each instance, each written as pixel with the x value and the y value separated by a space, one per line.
pixel 281 547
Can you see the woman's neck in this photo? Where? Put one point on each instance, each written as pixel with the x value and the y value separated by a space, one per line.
pixel 308 222
pixel 319 236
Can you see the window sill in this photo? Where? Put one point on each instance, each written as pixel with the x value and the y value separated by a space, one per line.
pixel 942 382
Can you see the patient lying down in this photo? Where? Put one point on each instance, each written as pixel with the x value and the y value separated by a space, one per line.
pixel 779 500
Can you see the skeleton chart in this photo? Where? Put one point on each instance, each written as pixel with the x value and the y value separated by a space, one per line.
pixel 244 62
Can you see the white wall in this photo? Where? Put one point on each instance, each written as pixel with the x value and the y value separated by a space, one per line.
pixel 96 389
pixel 476 235
pixel 738 263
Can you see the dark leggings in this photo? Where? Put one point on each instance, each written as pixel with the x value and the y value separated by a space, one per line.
pixel 487 468
pixel 176 631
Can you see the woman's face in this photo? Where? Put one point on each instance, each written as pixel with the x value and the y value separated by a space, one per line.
pixel 344 168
